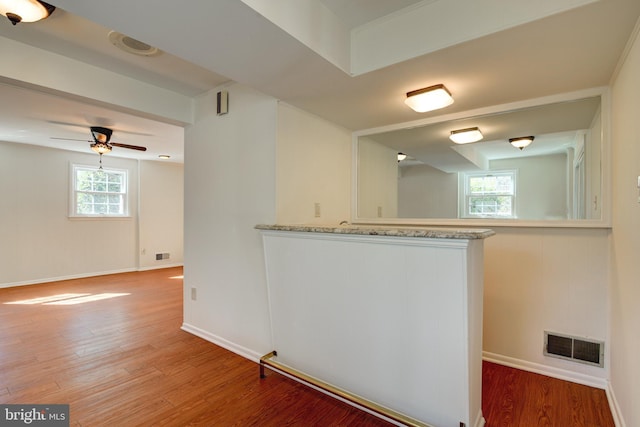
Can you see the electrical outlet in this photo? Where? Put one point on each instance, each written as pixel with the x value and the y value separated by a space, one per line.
pixel 379 211
pixel 194 294
pixel 317 210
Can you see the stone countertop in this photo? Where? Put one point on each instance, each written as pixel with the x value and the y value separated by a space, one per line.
pixel 370 230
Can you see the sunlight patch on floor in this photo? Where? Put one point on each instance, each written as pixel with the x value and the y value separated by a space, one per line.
pixel 68 299
pixel 44 300
pixel 88 298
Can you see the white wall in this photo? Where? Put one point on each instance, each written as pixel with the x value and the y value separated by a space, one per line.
pixel 229 188
pixel 377 180
pixel 39 242
pixel 161 213
pixel 539 279
pixel 426 192
pixel 625 289
pixel 313 166
pixel 541 184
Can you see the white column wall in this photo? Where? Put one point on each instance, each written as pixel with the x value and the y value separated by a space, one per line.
pixel 229 188
pixel 625 271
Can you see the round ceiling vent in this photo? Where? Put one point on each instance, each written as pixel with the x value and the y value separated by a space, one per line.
pixel 131 45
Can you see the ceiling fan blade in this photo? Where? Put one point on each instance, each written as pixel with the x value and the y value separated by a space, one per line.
pixel 132 147
pixel 69 139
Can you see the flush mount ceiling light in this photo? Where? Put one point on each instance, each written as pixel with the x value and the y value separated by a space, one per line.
pixel 164 156
pixel 401 156
pixel 25 10
pixel 429 98
pixel 466 136
pixel 521 141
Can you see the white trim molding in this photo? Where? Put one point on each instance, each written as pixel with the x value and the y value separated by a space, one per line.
pixel 219 341
pixel 549 371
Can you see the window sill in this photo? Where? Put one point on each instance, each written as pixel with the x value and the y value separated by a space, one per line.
pixel 99 218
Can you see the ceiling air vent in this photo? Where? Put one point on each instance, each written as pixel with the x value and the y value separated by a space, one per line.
pixel 574 348
pixel 131 45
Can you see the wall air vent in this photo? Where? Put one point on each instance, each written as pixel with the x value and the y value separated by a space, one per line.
pixel 574 348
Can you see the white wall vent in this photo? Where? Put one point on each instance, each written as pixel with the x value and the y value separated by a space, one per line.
pixel 573 348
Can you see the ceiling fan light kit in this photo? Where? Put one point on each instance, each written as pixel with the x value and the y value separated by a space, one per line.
pixel 102 143
pixel 101 148
pixel 25 10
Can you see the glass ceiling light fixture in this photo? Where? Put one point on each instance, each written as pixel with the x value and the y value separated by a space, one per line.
pixel 429 98
pixel 101 148
pixel 521 141
pixel 25 10
pixel 466 136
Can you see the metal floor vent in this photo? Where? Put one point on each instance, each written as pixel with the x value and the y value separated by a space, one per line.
pixel 574 348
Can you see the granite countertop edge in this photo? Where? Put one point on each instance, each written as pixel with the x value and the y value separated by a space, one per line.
pixel 424 232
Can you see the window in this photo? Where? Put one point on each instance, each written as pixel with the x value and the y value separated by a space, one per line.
pixel 489 194
pixel 99 192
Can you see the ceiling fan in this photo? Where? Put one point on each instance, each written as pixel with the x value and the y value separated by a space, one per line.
pixel 102 143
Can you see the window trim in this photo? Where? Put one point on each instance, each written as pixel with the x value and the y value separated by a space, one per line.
pixel 73 214
pixel 463 206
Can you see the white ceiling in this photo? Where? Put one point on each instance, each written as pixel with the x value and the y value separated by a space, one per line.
pixel 211 43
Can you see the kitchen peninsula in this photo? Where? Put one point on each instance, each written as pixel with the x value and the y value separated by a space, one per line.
pixel 391 315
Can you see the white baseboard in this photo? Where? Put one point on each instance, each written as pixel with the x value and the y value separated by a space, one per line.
pixel 84 275
pixel 549 371
pixel 160 267
pixel 618 420
pixel 219 341
pixel 61 278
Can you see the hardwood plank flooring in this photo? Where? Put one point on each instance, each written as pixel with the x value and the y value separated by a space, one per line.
pixel 511 397
pixel 116 354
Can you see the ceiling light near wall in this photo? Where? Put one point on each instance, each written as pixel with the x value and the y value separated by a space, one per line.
pixel 521 141
pixel 466 136
pixel 429 98
pixel 25 10
pixel 401 156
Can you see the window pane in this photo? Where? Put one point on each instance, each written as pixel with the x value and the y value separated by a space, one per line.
pixel 100 192
pixel 491 184
pixel 490 205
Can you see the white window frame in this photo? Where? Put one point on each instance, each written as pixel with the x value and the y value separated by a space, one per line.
pixel 73 193
pixel 464 193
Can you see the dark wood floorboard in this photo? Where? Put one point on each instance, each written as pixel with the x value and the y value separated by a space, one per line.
pixel 511 397
pixel 123 361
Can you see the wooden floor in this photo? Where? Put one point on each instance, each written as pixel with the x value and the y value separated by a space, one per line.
pixel 112 348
